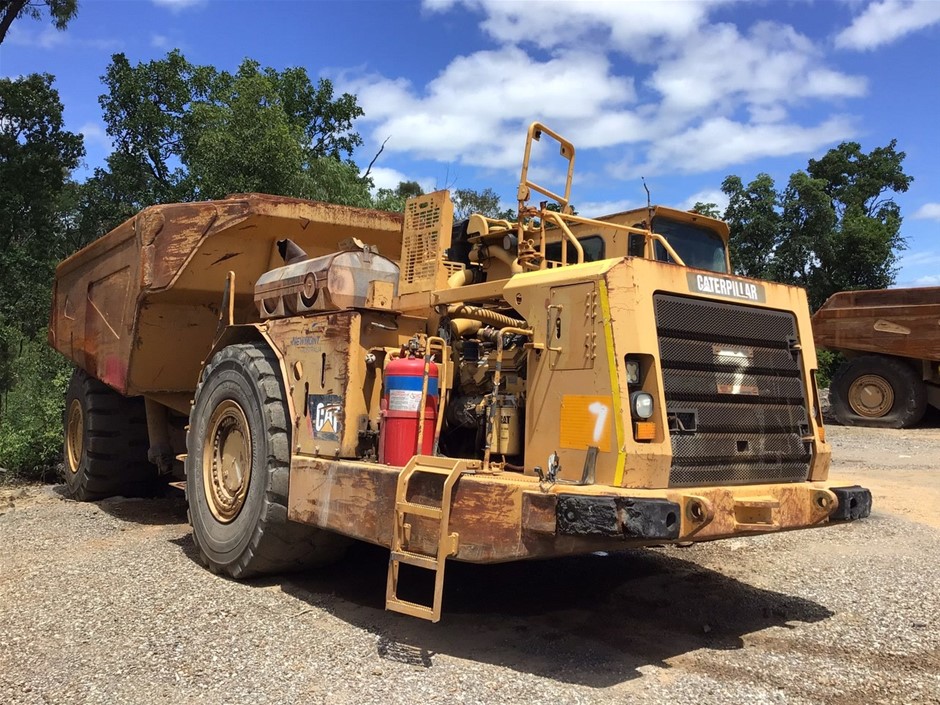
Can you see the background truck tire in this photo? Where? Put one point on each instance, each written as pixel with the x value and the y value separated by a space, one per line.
pixel 877 391
pixel 237 470
pixel 105 442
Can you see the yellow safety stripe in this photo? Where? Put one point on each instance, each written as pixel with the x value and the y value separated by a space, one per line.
pixel 614 383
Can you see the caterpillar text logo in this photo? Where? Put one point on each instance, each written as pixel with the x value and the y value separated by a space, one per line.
pixel 727 287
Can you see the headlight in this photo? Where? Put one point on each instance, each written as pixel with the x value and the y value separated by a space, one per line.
pixel 633 372
pixel 642 404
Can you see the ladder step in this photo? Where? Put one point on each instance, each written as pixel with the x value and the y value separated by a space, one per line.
pixel 411 609
pixel 423 510
pixel 416 559
pixel 432 470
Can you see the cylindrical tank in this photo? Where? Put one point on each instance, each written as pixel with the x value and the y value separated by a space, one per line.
pixel 401 404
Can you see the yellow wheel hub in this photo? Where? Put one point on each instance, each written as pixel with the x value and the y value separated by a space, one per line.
pixel 226 461
pixel 75 435
pixel 871 396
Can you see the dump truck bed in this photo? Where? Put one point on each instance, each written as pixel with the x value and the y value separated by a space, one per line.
pixel 138 308
pixel 902 322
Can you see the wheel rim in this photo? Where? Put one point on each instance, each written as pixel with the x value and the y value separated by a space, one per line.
pixel 75 435
pixel 871 396
pixel 226 461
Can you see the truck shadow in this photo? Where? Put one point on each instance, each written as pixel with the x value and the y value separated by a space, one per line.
pixel 591 620
pixel 167 507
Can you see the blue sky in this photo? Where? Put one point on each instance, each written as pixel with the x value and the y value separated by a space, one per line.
pixel 681 93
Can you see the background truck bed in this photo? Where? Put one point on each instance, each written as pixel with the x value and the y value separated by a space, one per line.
pixel 901 322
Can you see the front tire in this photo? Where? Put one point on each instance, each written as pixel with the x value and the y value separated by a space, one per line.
pixel 237 470
pixel 105 442
pixel 878 392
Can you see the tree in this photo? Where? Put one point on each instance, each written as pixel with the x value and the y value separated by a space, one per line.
pixel 486 202
pixel 709 210
pixel 835 226
pixel 754 222
pixel 393 200
pixel 60 11
pixel 36 156
pixel 184 132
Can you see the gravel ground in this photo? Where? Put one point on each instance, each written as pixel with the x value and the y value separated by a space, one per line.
pixel 104 603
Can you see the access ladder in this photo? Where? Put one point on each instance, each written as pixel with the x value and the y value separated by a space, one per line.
pixel 451 469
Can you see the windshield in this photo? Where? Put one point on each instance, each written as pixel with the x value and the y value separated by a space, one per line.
pixel 698 247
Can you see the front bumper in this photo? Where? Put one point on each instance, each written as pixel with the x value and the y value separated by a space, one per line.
pixel 509 516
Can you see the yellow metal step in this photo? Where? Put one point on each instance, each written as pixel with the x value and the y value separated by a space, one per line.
pixel 416 559
pixel 423 510
pixel 412 609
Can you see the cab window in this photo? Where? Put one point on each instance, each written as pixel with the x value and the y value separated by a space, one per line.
pixel 593 246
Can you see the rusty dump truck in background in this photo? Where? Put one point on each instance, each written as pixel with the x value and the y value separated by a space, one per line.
pixel 891 341
pixel 482 391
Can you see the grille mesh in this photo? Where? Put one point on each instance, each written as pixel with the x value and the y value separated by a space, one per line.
pixel 732 369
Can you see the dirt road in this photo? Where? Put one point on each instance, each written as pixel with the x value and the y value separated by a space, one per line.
pixel 104 603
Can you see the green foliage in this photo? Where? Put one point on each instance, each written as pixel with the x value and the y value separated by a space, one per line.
pixel 829 362
pixel 754 222
pixel 709 210
pixel 36 155
pixel 834 228
pixel 185 132
pixel 31 417
pixel 393 200
pixel 486 202
pixel 60 12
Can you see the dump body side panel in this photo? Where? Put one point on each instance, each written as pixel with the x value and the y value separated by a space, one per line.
pixel 901 322
pixel 94 303
pixel 138 308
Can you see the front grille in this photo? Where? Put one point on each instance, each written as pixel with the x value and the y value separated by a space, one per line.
pixel 734 394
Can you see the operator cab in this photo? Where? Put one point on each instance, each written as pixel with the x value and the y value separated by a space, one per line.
pixel 701 242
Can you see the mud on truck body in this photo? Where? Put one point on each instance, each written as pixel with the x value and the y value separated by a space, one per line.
pixel 481 391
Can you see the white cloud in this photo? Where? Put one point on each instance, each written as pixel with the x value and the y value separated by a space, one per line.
pixel 475 110
pixel 929 280
pixel 886 21
pixel 94 133
pixel 719 68
pixel 386 177
pixel 178 5
pixel 159 41
pixel 928 211
pixel 707 196
pixel 720 142
pixel 627 25
pixel 710 94
pixel 923 258
pixel 50 38
pixel 593 209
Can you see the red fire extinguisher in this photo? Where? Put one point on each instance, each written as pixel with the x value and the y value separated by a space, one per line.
pixel 404 377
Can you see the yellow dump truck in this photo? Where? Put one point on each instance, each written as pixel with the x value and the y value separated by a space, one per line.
pixel 481 391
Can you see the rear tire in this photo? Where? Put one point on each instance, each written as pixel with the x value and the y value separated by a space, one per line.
pixel 105 442
pixel 878 392
pixel 237 470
